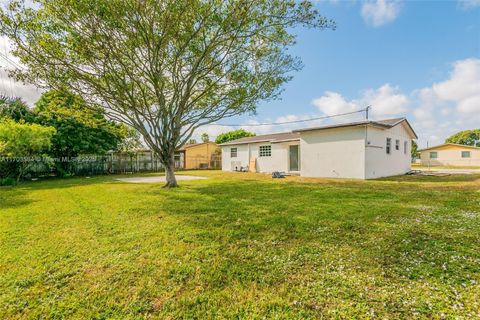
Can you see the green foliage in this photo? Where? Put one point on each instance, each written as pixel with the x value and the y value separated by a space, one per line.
pixel 163 67
pixel 192 141
pixel 414 150
pixel 24 139
pixel 205 137
pixel 233 135
pixel 131 141
pixel 81 129
pixel 19 142
pixel 15 108
pixel 242 246
pixel 8 181
pixel 466 137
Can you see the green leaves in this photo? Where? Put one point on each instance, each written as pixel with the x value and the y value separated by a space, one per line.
pixel 24 139
pixel 233 135
pixel 466 137
pixel 81 129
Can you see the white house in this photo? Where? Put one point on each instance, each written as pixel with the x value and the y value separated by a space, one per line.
pixel 361 150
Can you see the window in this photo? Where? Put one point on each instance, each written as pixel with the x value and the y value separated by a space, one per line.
pixel 405 147
pixel 389 145
pixel 433 155
pixel 265 151
pixel 465 154
pixel 233 152
pixel 397 144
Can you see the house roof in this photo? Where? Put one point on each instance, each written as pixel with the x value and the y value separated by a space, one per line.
pixel 183 148
pixel 450 144
pixel 295 134
pixel 275 137
pixel 385 124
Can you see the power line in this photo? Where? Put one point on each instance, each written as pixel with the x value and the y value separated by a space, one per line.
pixel 289 122
pixel 10 61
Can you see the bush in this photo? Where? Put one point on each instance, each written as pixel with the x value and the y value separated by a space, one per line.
pixel 8 181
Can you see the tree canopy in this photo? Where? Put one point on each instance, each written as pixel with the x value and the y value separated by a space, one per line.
pixel 233 135
pixel 205 137
pixel 466 137
pixel 15 109
pixel 165 68
pixel 80 129
pixel 19 142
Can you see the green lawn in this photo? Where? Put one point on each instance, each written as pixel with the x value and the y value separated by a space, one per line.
pixel 241 246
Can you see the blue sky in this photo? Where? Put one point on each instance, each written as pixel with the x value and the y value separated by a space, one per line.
pixel 393 55
pixel 418 59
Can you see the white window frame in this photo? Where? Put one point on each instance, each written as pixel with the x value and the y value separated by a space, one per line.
pixel 233 152
pixel 405 146
pixel 432 153
pixel 265 151
pixel 466 152
pixel 388 146
pixel 397 144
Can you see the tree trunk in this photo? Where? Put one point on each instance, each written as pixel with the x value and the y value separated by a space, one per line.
pixel 170 175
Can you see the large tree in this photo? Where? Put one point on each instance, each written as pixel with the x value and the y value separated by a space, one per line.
pixel 163 67
pixel 466 137
pixel 80 129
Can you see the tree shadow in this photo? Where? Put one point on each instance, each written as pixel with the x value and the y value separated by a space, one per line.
pixel 11 197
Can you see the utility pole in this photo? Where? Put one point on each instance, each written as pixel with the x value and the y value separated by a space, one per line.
pixel 367 109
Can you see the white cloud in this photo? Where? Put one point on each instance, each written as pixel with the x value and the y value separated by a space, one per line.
pixel 12 88
pixel 462 88
pixel 468 4
pixel 334 103
pixel 451 105
pixel 380 12
pixel 386 101
pixel 8 86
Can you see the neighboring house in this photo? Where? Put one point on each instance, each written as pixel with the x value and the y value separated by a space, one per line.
pixel 362 150
pixel 203 155
pixel 450 154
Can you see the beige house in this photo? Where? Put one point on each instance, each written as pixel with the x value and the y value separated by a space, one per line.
pixel 203 155
pixel 450 154
pixel 361 150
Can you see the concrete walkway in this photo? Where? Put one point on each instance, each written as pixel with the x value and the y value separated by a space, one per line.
pixel 158 179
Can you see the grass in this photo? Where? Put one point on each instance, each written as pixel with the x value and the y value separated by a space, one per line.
pixel 422 167
pixel 241 246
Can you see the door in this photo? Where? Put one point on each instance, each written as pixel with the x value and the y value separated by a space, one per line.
pixel 294 163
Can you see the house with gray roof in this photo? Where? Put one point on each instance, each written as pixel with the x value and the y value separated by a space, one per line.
pixel 361 150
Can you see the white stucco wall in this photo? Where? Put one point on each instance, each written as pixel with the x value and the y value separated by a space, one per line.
pixel 380 164
pixel 278 161
pixel 335 153
pixel 351 152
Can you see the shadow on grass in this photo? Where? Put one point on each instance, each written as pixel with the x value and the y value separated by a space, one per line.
pixel 13 197
pixel 437 179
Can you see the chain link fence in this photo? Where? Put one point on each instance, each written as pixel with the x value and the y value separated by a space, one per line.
pixel 111 163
